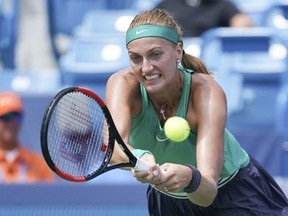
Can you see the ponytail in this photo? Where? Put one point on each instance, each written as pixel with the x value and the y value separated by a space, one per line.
pixel 194 63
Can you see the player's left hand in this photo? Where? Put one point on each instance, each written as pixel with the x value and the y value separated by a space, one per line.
pixel 176 177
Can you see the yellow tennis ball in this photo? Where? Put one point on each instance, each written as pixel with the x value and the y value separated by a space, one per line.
pixel 176 129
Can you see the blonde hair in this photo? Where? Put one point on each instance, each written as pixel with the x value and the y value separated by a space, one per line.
pixel 163 18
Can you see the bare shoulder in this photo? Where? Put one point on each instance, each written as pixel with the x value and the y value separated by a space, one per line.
pixel 207 94
pixel 206 85
pixel 124 78
pixel 206 98
pixel 122 90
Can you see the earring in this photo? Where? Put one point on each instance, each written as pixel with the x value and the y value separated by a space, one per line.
pixel 179 60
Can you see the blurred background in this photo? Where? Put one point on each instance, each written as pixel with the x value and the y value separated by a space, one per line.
pixel 46 45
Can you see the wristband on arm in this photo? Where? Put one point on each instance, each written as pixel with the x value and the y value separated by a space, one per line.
pixel 195 181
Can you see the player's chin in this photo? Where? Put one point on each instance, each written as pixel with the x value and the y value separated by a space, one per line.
pixel 153 86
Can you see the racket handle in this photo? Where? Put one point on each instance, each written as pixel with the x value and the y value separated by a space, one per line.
pixel 141 165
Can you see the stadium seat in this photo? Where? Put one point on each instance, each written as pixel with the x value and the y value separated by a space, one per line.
pixel 282 110
pixel 26 82
pixel 93 60
pixel 64 16
pixel 257 59
pixel 277 15
pixel 265 146
pixel 114 22
pixel 249 46
pixel 277 18
pixel 8 32
pixel 116 4
pixel 192 45
pixel 282 123
pixel 256 9
pixel 144 4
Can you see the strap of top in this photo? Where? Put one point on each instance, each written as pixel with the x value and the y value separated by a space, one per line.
pixel 183 106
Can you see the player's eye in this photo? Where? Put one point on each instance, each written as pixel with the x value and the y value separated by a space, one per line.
pixel 136 59
pixel 155 55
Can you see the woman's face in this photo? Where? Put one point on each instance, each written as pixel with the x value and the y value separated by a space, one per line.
pixel 154 61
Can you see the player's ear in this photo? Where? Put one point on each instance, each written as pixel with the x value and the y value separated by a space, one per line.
pixel 179 50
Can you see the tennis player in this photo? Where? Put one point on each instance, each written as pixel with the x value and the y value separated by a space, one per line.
pixel 207 174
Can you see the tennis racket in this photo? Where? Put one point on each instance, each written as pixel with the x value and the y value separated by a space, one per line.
pixel 78 136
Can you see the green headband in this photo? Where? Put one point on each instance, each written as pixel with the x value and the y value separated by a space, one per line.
pixel 142 31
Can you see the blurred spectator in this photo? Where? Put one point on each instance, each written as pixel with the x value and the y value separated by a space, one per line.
pixel 197 16
pixel 17 164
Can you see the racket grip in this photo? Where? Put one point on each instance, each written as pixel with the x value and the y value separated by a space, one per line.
pixel 141 165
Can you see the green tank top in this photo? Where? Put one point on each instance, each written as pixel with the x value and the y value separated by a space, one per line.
pixel 148 134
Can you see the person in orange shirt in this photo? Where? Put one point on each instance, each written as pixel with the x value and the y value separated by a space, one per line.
pixel 17 163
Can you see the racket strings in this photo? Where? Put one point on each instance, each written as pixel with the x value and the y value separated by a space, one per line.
pixel 77 132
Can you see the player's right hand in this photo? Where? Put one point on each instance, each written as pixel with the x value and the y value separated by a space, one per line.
pixel 151 176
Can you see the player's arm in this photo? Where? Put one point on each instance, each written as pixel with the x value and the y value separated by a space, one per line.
pixel 119 96
pixel 210 111
pixel 123 99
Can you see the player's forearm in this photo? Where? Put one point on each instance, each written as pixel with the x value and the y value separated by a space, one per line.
pixel 118 156
pixel 205 193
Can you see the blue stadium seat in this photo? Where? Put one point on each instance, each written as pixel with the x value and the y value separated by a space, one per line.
pixel 258 56
pixel 101 22
pixel 248 56
pixel 282 122
pixel 277 18
pixel 250 45
pixel 256 9
pixel 192 45
pixel 93 60
pixel 144 4
pixel 8 32
pixel 65 15
pixel 26 82
pixel 277 15
pixel 282 110
pixel 265 146
pixel 116 4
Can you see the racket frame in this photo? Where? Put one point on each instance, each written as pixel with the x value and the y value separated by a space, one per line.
pixel 113 136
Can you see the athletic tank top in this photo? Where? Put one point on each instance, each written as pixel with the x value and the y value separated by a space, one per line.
pixel 148 134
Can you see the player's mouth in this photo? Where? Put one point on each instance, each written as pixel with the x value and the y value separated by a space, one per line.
pixel 152 77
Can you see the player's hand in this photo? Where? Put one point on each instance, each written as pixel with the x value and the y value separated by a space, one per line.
pixel 176 177
pixel 151 176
